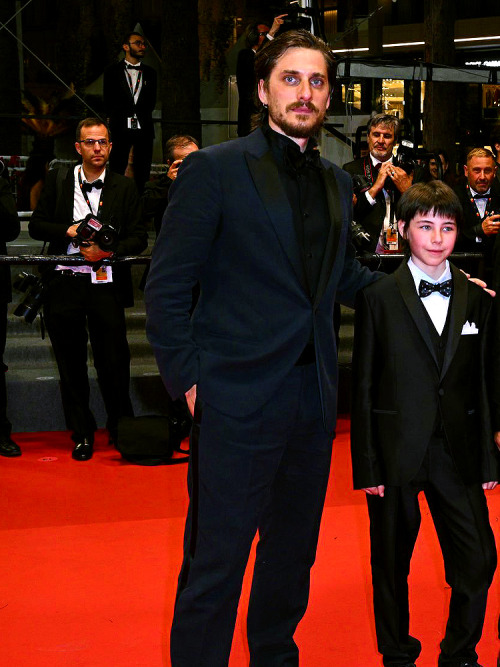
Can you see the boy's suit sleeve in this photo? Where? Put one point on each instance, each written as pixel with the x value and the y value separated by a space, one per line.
pixel 366 465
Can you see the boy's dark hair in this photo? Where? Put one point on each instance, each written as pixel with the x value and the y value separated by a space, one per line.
pixel 267 59
pixel 90 122
pixel 433 197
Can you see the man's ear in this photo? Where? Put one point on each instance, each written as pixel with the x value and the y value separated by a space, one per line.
pixel 78 147
pixel 466 171
pixel 261 90
pixel 126 48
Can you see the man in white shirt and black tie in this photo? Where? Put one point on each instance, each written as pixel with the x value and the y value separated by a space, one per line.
pixel 83 301
pixel 129 92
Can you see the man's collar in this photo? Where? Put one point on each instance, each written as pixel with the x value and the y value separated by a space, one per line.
pixel 376 161
pixel 474 193
pixel 283 140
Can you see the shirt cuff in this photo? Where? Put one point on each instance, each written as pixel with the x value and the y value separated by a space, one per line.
pixel 370 199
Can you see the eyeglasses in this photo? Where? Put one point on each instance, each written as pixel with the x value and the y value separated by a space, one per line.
pixel 139 43
pixel 90 142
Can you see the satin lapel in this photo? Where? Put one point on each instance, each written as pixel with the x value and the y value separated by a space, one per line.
pixel 108 198
pixel 457 316
pixel 265 176
pixel 406 285
pixel 335 210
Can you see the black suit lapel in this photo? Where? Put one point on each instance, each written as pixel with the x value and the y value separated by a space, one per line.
pixel 265 176
pixel 335 209
pixel 406 285
pixel 108 198
pixel 457 316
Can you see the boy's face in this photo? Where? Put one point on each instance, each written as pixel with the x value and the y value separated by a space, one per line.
pixel 431 239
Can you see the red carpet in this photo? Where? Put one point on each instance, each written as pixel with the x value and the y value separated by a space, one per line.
pixel 89 554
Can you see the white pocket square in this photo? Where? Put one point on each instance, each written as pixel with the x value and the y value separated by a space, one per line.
pixel 469 328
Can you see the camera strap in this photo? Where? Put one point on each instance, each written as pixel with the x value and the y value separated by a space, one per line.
pixel 86 197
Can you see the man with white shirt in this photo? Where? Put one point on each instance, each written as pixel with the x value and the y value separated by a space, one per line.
pixel 480 199
pixel 82 302
pixel 375 208
pixel 129 94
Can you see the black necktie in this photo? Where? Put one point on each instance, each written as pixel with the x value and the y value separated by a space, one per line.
pixel 444 288
pixel 481 196
pixel 136 67
pixel 87 187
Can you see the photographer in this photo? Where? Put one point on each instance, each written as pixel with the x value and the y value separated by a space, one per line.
pixel 80 298
pixel 381 186
pixel 9 230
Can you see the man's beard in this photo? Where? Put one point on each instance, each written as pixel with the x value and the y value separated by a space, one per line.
pixel 305 126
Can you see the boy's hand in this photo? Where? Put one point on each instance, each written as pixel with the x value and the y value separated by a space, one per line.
pixel 497 439
pixel 489 486
pixel 376 490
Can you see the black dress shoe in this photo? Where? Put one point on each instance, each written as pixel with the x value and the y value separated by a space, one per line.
pixel 8 447
pixel 83 450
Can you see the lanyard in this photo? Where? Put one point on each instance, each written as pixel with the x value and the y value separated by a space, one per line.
pixel 85 195
pixel 487 212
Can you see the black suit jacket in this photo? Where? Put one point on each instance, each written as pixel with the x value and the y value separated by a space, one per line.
pixel 229 225
pixel 121 208
pixel 9 230
pixel 119 103
pixel 369 217
pixel 472 238
pixel 399 389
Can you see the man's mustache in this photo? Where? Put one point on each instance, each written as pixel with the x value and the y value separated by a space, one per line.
pixel 301 105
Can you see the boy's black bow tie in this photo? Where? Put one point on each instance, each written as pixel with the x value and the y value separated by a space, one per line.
pixel 137 67
pixel 444 288
pixel 87 187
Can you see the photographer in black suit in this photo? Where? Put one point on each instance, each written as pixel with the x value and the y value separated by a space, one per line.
pixel 9 230
pixel 129 91
pixel 385 182
pixel 80 298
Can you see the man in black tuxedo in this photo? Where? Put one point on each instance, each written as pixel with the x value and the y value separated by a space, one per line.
pixel 85 297
pixel 375 206
pixel 262 222
pixel 480 199
pixel 129 92
pixel 421 421
pixel 9 230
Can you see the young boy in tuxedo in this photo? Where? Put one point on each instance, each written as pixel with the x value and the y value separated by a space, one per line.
pixel 421 422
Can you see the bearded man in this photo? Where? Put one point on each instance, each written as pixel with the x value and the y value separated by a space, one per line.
pixel 262 223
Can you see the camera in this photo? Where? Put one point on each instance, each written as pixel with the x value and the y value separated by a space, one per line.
pixel 297 18
pixel 405 157
pixel 33 287
pixel 91 230
pixel 360 237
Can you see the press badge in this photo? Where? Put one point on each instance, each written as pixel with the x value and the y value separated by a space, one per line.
pixel 133 123
pixel 104 274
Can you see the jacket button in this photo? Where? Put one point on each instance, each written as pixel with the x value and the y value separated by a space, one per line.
pixel 441 392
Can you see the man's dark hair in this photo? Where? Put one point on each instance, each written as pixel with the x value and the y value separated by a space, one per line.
pixel 433 197
pixel 252 34
pixel 267 59
pixel 90 122
pixel 386 120
pixel 127 37
pixel 178 141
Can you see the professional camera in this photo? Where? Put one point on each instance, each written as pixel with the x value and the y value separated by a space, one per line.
pixel 90 229
pixel 360 237
pixel 33 287
pixel 297 18
pixel 405 157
